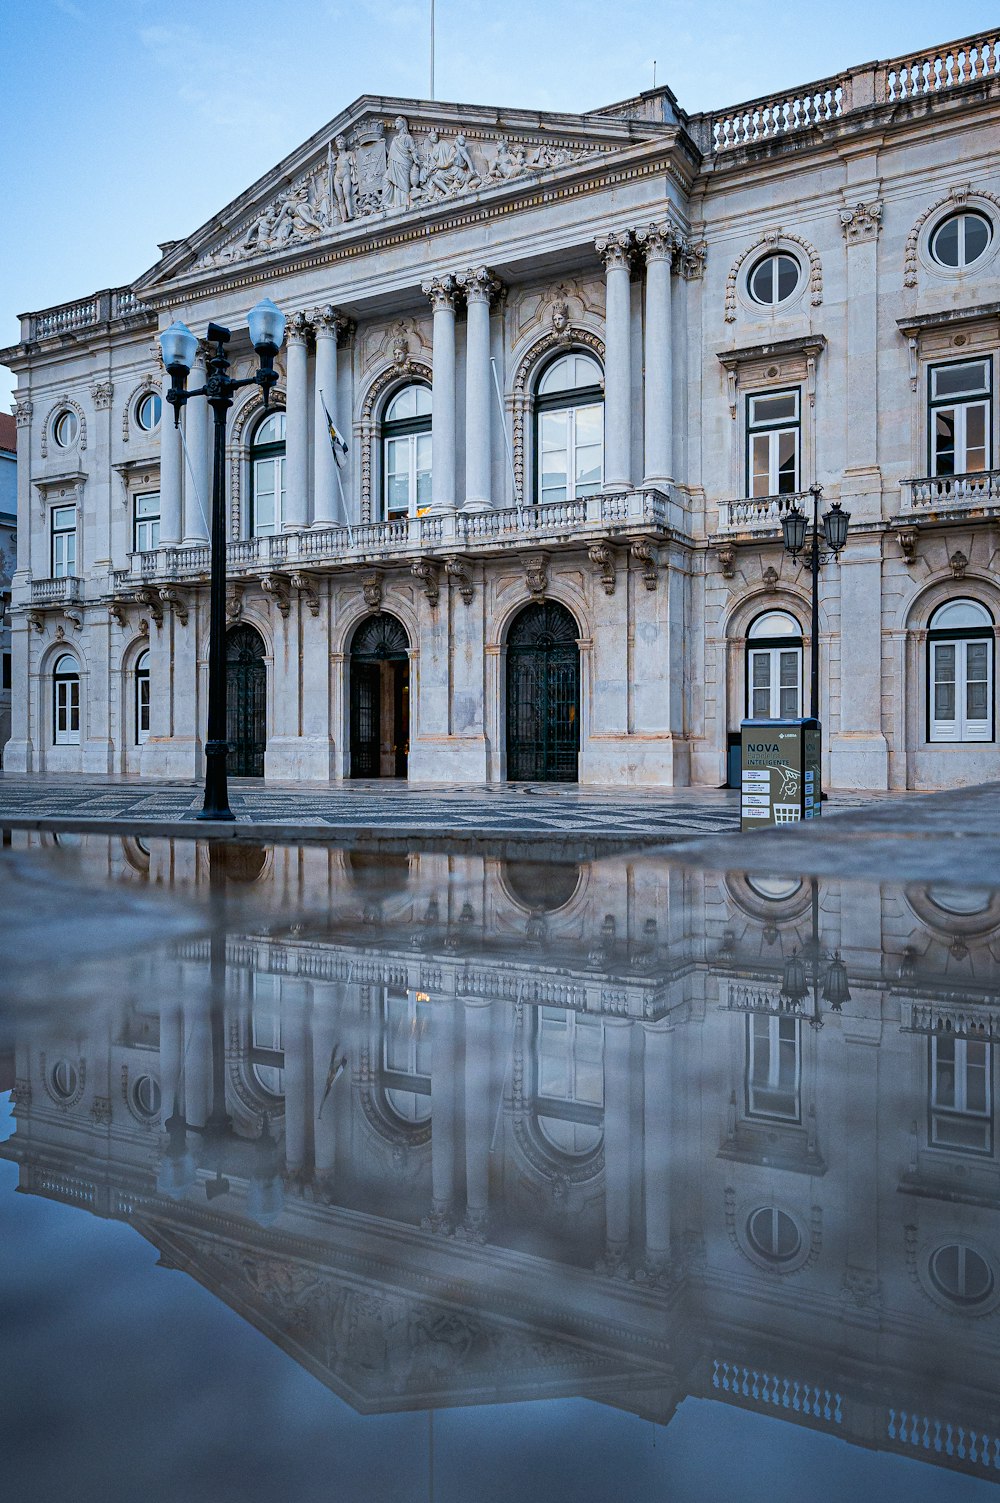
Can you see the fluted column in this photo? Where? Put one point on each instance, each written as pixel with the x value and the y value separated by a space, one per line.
pixel 171 480
pixel 477 1116
pixel 617 1091
pixel 198 436
pixel 295 1042
pixel 657 243
pixel 615 251
pixel 297 424
pixel 442 1115
pixel 197 1057
pixel 656 1143
pixel 442 292
pixel 326 498
pixel 171 1059
pixel 480 286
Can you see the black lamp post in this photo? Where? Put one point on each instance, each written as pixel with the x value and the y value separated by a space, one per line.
pixel 794 525
pixel 179 345
pixel 795 982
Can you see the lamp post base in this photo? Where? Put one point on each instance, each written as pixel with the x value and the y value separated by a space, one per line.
pixel 216 787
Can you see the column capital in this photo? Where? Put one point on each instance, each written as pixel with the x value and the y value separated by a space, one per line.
pixel 615 249
pixel 480 285
pixel 297 329
pixel 442 291
pixel 657 242
pixel 328 322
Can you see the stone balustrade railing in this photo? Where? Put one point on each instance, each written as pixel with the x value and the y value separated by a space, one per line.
pixel 932 493
pixel 86 313
pixel 954 1020
pixel 775 1391
pixel 918 75
pixel 62 591
pixel 447 532
pixel 760 514
pixel 943 1441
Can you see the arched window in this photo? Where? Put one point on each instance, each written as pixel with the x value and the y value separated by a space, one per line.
pixel 406 1053
pixel 569 428
pixel 141 697
pixel 774 667
pixel 267 475
pixel 960 672
pixel 406 452
pixel 66 701
pixel 569 1081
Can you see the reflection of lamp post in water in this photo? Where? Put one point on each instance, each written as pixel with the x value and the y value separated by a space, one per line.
pixel 796 984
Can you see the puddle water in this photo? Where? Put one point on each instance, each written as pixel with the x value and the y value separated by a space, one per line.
pixel 444 1178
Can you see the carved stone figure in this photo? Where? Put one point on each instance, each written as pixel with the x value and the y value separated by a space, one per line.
pixel 402 168
pixel 342 177
pixel 509 161
pixel 259 232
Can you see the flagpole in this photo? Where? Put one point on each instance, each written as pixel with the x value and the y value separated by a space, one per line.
pixel 336 468
pixel 432 50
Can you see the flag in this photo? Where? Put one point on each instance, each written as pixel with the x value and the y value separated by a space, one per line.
pixel 337 443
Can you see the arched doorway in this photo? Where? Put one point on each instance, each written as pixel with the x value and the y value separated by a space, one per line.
pixel 543 695
pixel 246 702
pixel 380 699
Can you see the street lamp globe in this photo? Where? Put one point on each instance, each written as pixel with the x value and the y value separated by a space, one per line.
pixel 179 347
pixel 794 983
pixel 836 991
pixel 793 526
pixel 835 525
pixel 266 323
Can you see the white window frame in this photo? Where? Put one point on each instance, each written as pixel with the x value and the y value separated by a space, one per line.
pixel 773 259
pixel 958 1108
pixel 66 704
pixel 960 407
pixel 142 699
pixel 770 649
pixel 405 1078
pixel 772 431
pixel 961 728
pixel 63 543
pixel 411 443
pixel 276 459
pixel 145 529
pixel 776 1024
pixel 962 217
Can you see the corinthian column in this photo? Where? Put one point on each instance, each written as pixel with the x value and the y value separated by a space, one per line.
pixel 480 286
pixel 326 500
pixel 657 243
pixel 477 1116
pixel 615 251
pixel 617 1165
pixel 442 292
pixel 198 481
pixel 656 1144
pixel 297 425
pixel 170 472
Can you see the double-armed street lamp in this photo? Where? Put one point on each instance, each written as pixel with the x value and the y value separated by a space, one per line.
pixel 796 982
pixel 179 346
pixel 794 525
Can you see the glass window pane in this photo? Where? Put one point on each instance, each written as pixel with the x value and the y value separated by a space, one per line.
pixel 977 238
pixel 956 613
pixel 967 378
pixel 774 409
pixel 760 459
pixel 148 505
pixel 944 247
pixel 788 277
pixel 762 281
pixel 788 469
pixel 788 703
pixel 944 441
pixel 975 438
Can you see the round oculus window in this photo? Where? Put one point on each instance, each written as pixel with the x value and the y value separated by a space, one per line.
pixel 64 1079
pixel 961 239
pixel 774 278
pixel 65 428
pixel 148 410
pixel 960 1274
pixel 773 1235
pixel 146 1097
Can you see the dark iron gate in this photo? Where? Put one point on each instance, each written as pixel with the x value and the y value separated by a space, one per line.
pixel 543 696
pixel 380 696
pixel 246 702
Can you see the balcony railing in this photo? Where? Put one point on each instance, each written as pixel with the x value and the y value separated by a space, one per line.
pixel 64 591
pixel 557 522
pixel 969 493
pixel 760 514
pixel 915 76
pixel 86 313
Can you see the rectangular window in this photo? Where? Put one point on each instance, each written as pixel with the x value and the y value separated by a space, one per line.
pixel 63 542
pixel 775 680
pixel 146 522
pixel 773 444
pixel 961 689
pixel 960 417
pixel 961 1095
pixel 773 1071
pixel 6 670
pixel 67 707
pixel 407 459
pixel 268 495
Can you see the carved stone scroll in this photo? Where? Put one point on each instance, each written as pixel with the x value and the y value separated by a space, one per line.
pixel 603 556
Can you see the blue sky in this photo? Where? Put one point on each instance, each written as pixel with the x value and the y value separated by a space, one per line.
pixel 130 122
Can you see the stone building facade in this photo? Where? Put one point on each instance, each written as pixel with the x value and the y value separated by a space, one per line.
pixel 582 365
pixel 488 1129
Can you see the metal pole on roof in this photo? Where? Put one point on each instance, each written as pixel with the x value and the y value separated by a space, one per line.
pixel 432 50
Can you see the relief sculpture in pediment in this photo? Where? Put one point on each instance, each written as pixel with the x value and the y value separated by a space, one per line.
pixel 363 174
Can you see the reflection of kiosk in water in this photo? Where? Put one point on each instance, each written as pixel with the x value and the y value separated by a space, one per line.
pixel 585 1139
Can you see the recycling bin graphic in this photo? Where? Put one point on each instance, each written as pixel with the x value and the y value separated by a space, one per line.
pixel 780 778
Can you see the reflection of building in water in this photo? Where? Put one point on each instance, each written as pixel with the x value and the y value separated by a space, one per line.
pixel 452 1134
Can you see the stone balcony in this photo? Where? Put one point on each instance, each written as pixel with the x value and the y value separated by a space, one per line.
pixel 56 592
pixel 627 516
pixel 759 516
pixel 947 496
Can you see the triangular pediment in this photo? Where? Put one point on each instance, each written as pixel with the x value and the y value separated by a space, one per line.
pixel 383 1347
pixel 384 160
